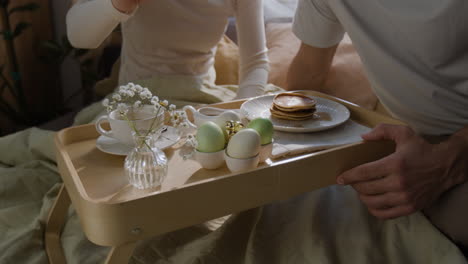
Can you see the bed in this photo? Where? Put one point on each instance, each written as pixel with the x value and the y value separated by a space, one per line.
pixel 325 226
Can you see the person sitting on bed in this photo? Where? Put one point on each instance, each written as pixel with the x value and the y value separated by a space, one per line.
pixel 165 41
pixel 416 59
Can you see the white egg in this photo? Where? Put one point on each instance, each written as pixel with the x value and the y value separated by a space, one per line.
pixel 226 116
pixel 244 144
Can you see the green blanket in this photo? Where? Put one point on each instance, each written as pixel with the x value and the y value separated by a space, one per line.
pixel 325 226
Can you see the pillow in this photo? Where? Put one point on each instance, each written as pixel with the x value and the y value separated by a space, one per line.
pixel 282 46
pixel 346 79
pixel 227 62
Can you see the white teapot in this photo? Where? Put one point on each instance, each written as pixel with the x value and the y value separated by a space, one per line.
pixel 207 113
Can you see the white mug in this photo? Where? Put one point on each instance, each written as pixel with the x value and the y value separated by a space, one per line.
pixel 121 129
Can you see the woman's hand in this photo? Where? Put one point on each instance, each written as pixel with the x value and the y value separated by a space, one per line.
pixel 249 91
pixel 411 178
pixel 126 6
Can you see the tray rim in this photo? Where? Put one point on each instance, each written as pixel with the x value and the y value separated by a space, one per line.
pixel 109 223
pixel 60 139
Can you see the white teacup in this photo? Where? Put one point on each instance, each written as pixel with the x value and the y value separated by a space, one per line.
pixel 121 129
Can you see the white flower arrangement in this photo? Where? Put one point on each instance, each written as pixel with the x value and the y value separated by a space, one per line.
pixel 131 97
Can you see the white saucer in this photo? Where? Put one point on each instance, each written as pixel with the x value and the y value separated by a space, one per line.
pixel 329 114
pixel 113 146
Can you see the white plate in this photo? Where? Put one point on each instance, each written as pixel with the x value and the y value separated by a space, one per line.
pixel 113 146
pixel 329 114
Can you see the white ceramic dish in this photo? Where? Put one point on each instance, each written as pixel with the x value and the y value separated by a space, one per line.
pixel 237 165
pixel 210 160
pixel 329 114
pixel 113 146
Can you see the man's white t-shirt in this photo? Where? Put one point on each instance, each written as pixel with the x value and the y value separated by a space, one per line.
pixel 415 53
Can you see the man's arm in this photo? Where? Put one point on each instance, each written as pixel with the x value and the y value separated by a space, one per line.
pixel 309 68
pixel 413 177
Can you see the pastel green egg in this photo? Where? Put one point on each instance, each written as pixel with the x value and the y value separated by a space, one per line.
pixel 210 137
pixel 224 129
pixel 264 127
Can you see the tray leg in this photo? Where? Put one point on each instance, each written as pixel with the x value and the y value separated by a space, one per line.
pixel 55 221
pixel 120 254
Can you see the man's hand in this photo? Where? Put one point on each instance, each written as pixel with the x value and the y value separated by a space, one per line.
pixel 126 6
pixel 408 180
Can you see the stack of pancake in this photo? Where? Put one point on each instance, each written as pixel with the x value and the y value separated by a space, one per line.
pixel 293 106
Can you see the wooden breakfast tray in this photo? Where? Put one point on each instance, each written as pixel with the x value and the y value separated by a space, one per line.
pixel 114 213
